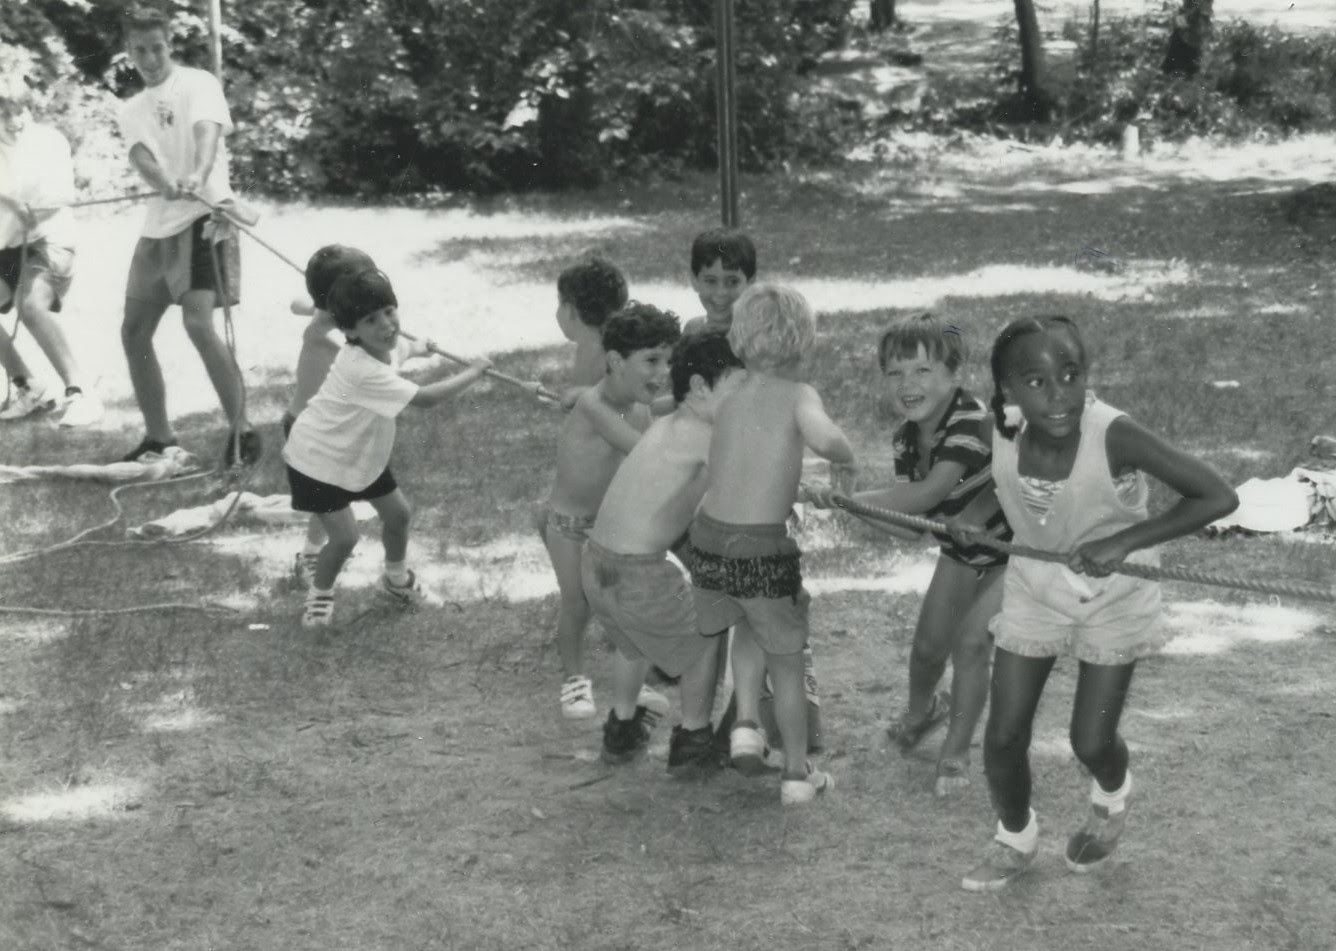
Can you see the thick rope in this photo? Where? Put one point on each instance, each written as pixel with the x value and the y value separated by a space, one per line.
pixel 1149 572
pixel 205 608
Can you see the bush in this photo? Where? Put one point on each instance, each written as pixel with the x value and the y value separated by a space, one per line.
pixel 394 96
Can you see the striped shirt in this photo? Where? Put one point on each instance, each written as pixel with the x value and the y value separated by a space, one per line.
pixel 959 437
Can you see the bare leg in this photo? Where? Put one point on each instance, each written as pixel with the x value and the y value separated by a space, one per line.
pixel 937 632
pixel 197 313
pixel 395 515
pixel 1018 683
pixel 697 688
pixel 786 678
pixel 137 330
pixel 748 672
pixel 10 359
pixel 315 532
pixel 970 665
pixel 36 315
pixel 628 675
pixel 342 529
pixel 573 617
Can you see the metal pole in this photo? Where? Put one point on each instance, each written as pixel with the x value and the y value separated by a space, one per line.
pixel 216 37
pixel 726 96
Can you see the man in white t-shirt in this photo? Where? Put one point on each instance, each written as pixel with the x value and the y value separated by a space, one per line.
pixel 175 129
pixel 37 256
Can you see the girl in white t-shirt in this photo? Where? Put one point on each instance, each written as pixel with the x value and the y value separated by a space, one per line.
pixel 339 448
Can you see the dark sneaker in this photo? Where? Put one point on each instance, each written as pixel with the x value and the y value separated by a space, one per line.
pixel 692 751
pixel 1002 866
pixel 1092 844
pixel 245 450
pixel 907 733
pixel 624 740
pixel 145 447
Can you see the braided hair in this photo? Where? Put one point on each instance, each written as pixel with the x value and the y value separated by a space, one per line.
pixel 1022 327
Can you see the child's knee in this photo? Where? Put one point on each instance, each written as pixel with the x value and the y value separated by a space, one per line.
pixel 398 516
pixel 1091 747
pixel 974 651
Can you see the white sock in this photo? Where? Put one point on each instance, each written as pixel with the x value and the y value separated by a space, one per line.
pixel 1027 840
pixel 1115 801
pixel 397 572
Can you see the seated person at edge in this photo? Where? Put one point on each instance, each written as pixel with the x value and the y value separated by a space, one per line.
pixel 638 594
pixel 745 569
pixel 606 421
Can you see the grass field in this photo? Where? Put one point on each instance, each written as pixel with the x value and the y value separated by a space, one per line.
pixel 186 780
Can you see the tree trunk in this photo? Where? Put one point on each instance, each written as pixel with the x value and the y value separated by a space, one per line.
pixel 1039 100
pixel 882 15
pixel 1187 40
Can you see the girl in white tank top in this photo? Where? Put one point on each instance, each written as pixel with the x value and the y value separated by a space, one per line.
pixel 1071 478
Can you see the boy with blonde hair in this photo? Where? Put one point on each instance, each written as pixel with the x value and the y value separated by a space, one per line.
pixel 605 422
pixel 638 594
pixel 745 568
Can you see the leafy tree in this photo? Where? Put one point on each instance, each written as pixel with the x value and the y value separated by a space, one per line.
pixel 1188 38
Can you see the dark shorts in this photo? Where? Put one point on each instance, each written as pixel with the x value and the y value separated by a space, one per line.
pixel 163 270
pixel 749 572
pixel 321 498
pixel 52 263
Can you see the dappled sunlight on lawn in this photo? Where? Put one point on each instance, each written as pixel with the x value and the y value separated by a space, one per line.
pixel 1206 627
pixel 30 630
pixel 95 800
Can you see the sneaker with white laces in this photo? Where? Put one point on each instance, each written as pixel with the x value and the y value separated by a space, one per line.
pixel 797 792
pixel 1000 867
pixel 1093 844
pixel 82 409
pixel 25 401
pixel 577 698
pixel 303 568
pixel 747 748
pixel 319 610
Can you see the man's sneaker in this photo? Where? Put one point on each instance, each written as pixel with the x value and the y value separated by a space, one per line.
pixel 303 568
pixel 81 409
pixel 245 450
pixel 24 401
pixel 656 705
pixel 907 733
pixel 1092 844
pixel 577 698
pixel 1002 866
pixel 147 446
pixel 319 610
pixel 692 751
pixel 747 748
pixel 796 792
pixel 623 740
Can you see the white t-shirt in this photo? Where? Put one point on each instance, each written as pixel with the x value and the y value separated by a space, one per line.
pixel 38 171
pixel 346 433
pixel 162 118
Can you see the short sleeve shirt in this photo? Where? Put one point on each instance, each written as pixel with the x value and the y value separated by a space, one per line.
pixel 345 435
pixel 162 118
pixel 38 171
pixel 956 439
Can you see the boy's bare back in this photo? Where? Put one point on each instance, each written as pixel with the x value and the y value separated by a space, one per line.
pixel 756 452
pixel 586 459
pixel 655 493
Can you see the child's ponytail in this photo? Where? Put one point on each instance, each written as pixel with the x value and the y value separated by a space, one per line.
pixel 999 404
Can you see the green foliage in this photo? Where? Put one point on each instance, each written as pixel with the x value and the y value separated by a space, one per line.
pixel 395 96
pixel 1252 79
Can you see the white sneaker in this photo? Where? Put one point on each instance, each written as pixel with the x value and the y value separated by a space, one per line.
pixel 747 749
pixel 319 610
pixel 577 698
pixel 26 400
pixel 656 705
pixel 82 409
pixel 796 792
pixel 411 595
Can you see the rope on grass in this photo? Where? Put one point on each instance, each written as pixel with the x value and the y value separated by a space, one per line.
pixel 534 388
pixel 202 608
pixel 1148 572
